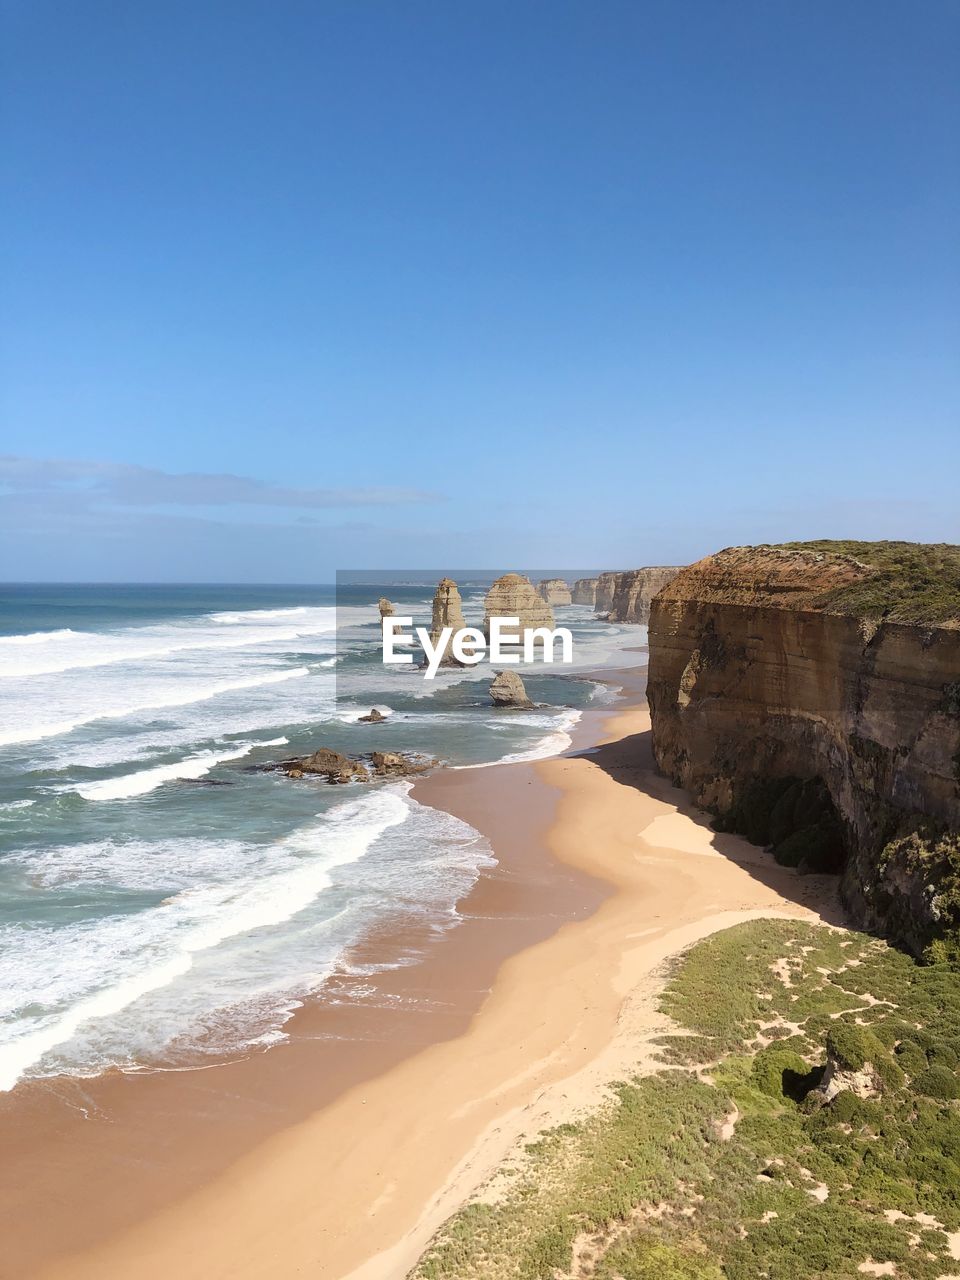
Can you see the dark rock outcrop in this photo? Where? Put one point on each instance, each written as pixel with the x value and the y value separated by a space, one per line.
pixel 374 717
pixel 507 690
pixel 335 767
pixel 325 763
pixel 399 764
pixel 799 695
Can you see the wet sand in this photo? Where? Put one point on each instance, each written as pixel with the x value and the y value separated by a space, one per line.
pixel 339 1153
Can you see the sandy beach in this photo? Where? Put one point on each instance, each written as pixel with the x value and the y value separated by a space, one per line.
pixel 340 1153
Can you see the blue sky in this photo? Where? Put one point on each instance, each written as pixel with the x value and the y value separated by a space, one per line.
pixel 293 287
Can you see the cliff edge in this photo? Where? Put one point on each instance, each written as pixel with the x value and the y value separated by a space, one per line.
pixel 809 696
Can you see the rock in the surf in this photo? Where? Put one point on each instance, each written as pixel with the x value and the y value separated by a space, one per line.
pixel 507 690
pixel 325 763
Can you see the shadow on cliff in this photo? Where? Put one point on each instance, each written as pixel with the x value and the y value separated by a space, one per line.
pixel 629 761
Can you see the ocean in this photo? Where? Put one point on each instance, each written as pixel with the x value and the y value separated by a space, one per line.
pixel 164 901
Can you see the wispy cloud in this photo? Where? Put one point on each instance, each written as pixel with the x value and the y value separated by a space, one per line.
pixel 115 484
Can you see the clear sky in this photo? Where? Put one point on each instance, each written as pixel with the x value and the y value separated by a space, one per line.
pixel 297 286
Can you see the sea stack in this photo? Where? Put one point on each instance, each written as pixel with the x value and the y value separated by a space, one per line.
pixel 554 591
pixel 514 596
pixel 585 592
pixel 447 612
pixel 506 690
pixel 386 608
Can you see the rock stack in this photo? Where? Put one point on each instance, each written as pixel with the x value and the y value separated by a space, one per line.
pixel 506 690
pixel 554 591
pixel 514 596
pixel 447 612
pixel 386 608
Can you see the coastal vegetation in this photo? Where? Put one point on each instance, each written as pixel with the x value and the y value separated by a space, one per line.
pixel 911 581
pixel 804 1124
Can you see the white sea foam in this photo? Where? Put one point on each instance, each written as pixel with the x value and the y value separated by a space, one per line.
pixel 261 615
pixel 102 970
pixel 55 652
pixel 187 696
pixel 551 744
pixel 146 780
pixel 38 637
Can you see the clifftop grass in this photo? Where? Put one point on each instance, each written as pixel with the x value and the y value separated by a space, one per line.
pixel 911 582
pixel 727 1165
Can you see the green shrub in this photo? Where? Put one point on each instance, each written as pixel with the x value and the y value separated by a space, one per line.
pixel 779 1072
pixel 848 1045
pixel 942 1055
pixel 937 1082
pixel 911 1057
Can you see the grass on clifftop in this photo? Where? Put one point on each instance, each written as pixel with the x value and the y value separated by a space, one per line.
pixel 726 1165
pixel 913 582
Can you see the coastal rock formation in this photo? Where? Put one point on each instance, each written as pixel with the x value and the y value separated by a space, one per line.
pixel 325 763
pixel 338 768
pixel 849 1068
pixel 514 596
pixel 633 591
pixel 447 612
pixel 809 696
pixel 374 717
pixel 507 690
pixel 554 591
pixel 399 764
pixel 606 585
pixel 386 608
pixel 585 592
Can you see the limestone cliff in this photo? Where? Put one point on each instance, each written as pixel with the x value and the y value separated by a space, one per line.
pixel 809 696
pixel 585 592
pixel 554 591
pixel 633 591
pixel 447 612
pixel 514 596
pixel 606 585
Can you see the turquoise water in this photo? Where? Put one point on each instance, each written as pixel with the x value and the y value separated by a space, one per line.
pixel 161 898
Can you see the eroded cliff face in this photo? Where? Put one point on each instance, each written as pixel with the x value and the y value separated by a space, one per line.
pixel 634 589
pixel 606 585
pixel 585 592
pixel 833 737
